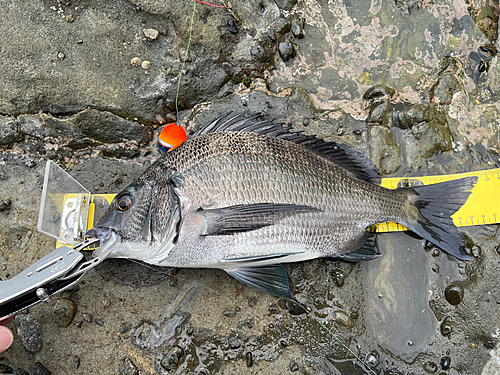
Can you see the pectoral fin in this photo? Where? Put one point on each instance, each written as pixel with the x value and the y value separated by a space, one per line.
pixel 269 279
pixel 247 217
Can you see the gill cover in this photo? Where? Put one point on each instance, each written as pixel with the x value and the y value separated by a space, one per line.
pixel 146 215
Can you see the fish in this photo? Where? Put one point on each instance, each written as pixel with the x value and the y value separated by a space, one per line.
pixel 246 196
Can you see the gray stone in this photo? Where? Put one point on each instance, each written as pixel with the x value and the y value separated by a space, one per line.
pixel 9 131
pixel 297 31
pixel 234 342
pixel 286 4
pixel 172 359
pixel 384 151
pixel 125 327
pixel 39 369
pixel 281 26
pixel 259 53
pixel 128 367
pixel 64 311
pixel 286 50
pixel 29 331
pixel 151 34
pixel 228 68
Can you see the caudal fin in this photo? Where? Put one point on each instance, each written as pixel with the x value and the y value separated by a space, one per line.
pixel 433 206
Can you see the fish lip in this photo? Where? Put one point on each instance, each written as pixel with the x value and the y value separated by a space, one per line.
pixel 109 239
pixel 103 234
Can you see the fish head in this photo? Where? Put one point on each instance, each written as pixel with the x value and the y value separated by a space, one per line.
pixel 144 217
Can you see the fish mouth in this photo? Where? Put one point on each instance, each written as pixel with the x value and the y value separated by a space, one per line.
pixel 109 240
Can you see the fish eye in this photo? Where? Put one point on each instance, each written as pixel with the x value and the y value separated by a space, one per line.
pixel 124 202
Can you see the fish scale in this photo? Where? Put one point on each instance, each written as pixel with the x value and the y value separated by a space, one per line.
pixel 349 206
pixel 247 200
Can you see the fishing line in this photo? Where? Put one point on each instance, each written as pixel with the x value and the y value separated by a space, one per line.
pixel 331 333
pixel 184 62
pixel 187 49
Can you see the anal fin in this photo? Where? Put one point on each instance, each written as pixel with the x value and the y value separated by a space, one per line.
pixel 269 279
pixel 367 251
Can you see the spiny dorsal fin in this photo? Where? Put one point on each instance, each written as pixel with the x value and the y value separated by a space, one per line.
pixel 359 165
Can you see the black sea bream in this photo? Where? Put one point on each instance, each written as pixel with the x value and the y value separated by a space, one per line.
pixel 246 196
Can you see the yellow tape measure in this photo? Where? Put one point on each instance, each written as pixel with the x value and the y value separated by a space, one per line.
pixel 482 207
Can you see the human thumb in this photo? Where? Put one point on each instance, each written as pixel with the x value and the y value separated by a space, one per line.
pixel 6 338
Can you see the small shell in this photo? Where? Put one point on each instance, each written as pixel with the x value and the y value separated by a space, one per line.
pixel 146 65
pixel 135 61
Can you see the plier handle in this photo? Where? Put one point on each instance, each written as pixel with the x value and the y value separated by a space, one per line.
pixel 52 274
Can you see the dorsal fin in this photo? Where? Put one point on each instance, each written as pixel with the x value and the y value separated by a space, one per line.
pixel 359 165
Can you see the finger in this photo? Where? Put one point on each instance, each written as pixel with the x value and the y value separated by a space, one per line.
pixel 6 338
pixel 6 321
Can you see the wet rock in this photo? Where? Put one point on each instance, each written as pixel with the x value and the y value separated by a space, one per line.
pixel 125 327
pixel 418 114
pixel 128 368
pixel 343 318
pixel 297 31
pixel 270 33
pixel 4 369
pixel 29 331
pixel 111 129
pixel 377 93
pixel 384 151
pixel 5 205
pixel 273 309
pixel 259 53
pixel 286 4
pixel 490 344
pixel 234 342
pixel 39 369
pixel 454 294
pixel 228 68
pixel 230 313
pixel 339 277
pixel 172 359
pixel 380 113
pixel 173 282
pixel 249 358
pixel 432 138
pixel 286 50
pixel 99 322
pixel 63 312
pixel 444 89
pixel 281 26
pixel 373 359
pixel 232 26
pixel 445 363
pixel 87 318
pixel 294 308
pixel 151 34
pixel 9 131
pixel 76 361
pixel 294 366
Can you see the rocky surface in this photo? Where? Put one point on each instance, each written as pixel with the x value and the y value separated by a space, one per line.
pixel 411 84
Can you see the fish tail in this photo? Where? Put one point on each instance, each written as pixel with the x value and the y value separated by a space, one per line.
pixel 430 210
